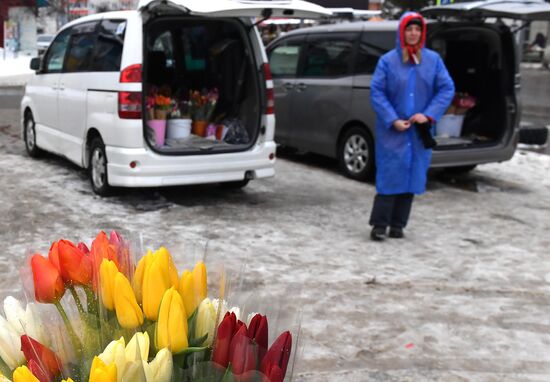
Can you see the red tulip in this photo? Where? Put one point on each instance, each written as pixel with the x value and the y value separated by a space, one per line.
pixel 273 373
pixel 83 248
pixel 41 374
pixel 278 354
pixel 122 253
pixel 43 357
pixel 53 255
pixel 242 352
pixel 76 267
pixel 258 331
pixel 101 249
pixel 223 339
pixel 48 283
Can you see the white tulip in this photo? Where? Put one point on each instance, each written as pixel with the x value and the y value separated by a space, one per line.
pixel 10 343
pixel 224 309
pixel 137 371
pixel 161 367
pixel 115 352
pixel 24 321
pixel 138 347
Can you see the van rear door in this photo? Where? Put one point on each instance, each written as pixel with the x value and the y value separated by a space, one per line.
pixel 236 8
pixel 527 10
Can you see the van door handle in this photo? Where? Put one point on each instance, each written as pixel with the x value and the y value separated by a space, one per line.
pixel 301 86
pixel 288 86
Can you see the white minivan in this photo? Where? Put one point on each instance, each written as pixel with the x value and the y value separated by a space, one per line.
pixel 101 83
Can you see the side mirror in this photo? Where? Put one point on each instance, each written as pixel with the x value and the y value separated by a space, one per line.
pixel 35 63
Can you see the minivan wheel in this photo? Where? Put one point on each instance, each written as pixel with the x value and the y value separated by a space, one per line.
pixel 356 154
pixel 98 168
pixel 29 135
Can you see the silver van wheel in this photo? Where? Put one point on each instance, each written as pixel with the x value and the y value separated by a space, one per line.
pixel 98 168
pixel 29 136
pixel 355 153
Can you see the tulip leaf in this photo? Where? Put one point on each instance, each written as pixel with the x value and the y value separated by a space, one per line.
pixel 195 342
pixel 191 323
pixel 228 376
pixel 4 369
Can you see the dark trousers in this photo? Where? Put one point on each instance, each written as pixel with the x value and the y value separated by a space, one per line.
pixel 391 210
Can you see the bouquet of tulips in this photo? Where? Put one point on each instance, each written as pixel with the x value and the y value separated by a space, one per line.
pixel 100 316
pixel 202 104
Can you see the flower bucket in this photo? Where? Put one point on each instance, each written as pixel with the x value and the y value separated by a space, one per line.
pixel 199 128
pixel 449 125
pixel 159 128
pixel 178 128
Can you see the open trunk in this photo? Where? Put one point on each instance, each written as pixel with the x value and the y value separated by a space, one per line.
pixel 480 59
pixel 189 61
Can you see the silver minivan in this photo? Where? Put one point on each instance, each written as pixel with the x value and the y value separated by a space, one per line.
pixel 322 84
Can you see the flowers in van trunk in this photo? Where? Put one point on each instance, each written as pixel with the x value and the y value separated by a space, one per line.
pixel 202 104
pixel 461 103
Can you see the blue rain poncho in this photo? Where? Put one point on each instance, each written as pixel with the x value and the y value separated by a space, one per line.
pixel 398 91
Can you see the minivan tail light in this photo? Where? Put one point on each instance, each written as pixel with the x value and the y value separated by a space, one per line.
pixel 131 73
pixel 267 72
pixel 270 95
pixel 129 105
pixel 270 109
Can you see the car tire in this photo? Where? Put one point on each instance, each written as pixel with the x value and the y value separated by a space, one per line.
pixel 236 184
pixel 98 168
pixel 460 169
pixel 356 154
pixel 533 135
pixel 29 135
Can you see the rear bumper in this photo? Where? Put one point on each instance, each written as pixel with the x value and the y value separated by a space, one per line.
pixel 471 156
pixel 154 170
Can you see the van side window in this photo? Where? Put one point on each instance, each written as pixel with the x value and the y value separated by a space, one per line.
pixel 372 46
pixel 81 48
pixel 53 63
pixel 110 41
pixel 328 57
pixel 283 60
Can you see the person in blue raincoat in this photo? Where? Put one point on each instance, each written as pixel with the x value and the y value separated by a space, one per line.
pixel 410 87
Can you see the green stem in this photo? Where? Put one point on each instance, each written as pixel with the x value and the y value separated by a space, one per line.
pixel 77 300
pixel 74 339
pixel 4 369
pixel 91 301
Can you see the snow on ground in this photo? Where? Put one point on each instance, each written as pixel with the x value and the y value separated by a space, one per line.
pixel 465 297
pixel 15 71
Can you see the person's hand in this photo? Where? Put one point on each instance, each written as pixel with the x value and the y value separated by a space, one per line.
pixel 418 118
pixel 401 125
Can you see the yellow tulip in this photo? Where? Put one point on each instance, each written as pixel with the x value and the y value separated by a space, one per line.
pixel 115 353
pixel 154 286
pixel 99 372
pixel 186 292
pixel 138 347
pixel 167 265
pixel 23 374
pixel 206 321
pixel 199 282
pixel 128 312
pixel 67 380
pixel 162 366
pixel 137 281
pixel 171 328
pixel 107 273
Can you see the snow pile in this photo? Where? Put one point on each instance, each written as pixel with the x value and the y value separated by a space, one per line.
pixel 15 71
